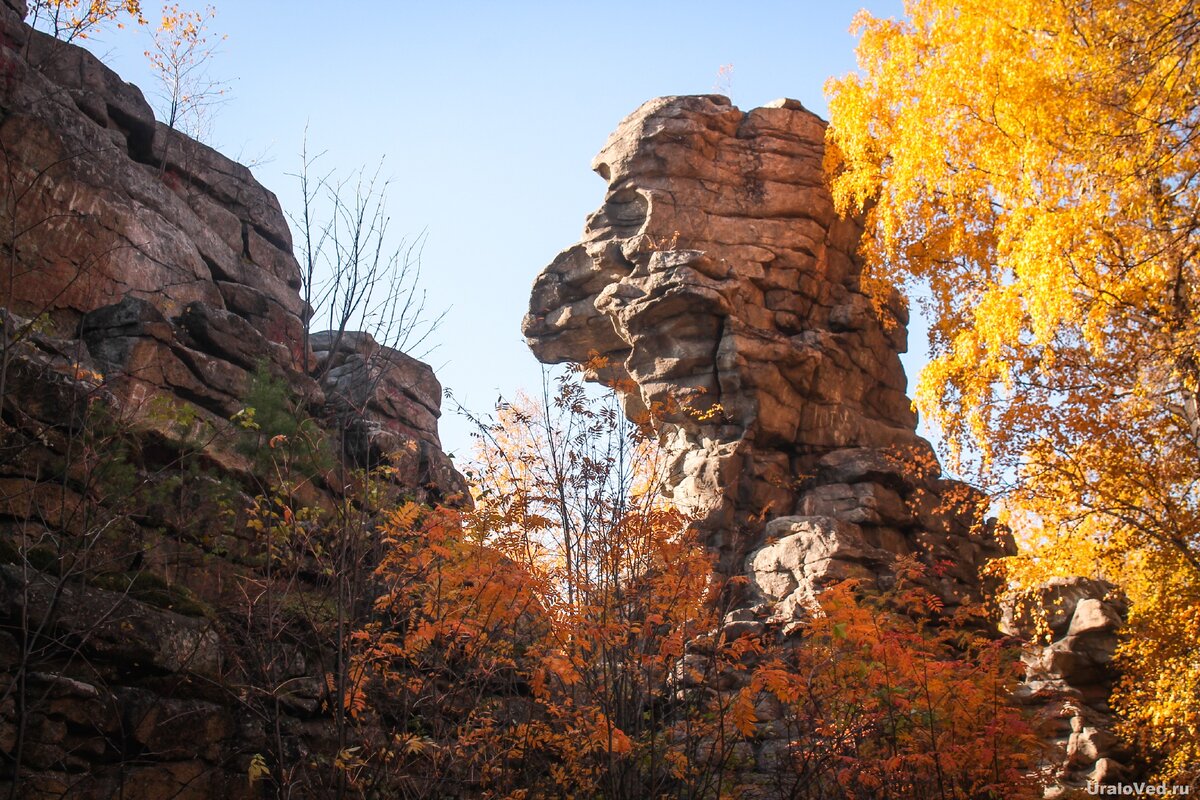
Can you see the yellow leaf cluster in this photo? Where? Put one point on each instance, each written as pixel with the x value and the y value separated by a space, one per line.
pixel 1031 171
pixel 76 19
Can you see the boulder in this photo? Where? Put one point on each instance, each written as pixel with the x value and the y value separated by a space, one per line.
pixel 804 555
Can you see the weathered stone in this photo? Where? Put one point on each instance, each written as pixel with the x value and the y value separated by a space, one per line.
pixel 1093 615
pixel 806 554
pixel 1054 603
pixel 49 379
pixel 1107 771
pixel 151 285
pixel 1087 744
pixel 717 277
pixel 387 405
pixel 112 625
pixel 1072 625
pixel 736 630
pixel 860 503
pixel 873 465
pixel 718 281
pixel 182 780
pixel 225 335
pixel 173 729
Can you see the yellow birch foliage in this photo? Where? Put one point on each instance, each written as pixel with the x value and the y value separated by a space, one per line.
pixel 76 19
pixel 1033 169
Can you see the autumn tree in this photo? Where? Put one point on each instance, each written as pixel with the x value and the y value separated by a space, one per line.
pixel 1033 171
pixel 572 491
pixel 562 638
pixel 532 646
pixel 181 49
pixel 886 698
pixel 77 19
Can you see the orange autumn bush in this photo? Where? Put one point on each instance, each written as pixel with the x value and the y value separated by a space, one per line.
pixel 561 639
pixel 529 647
pixel 573 492
pixel 884 699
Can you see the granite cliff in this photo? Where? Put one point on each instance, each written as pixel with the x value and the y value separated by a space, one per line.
pixel 718 281
pixel 159 628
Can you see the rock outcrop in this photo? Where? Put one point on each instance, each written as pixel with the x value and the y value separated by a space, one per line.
pixel 726 294
pixel 1072 625
pixel 154 359
pixel 719 282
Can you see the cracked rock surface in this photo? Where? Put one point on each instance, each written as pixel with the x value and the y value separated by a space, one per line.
pixel 717 276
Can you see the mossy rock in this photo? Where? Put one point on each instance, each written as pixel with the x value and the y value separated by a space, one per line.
pixel 41 557
pixel 313 608
pixel 153 590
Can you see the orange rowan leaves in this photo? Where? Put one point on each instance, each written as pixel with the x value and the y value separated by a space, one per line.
pixel 561 638
pixel 780 682
pixel 742 713
pixel 877 705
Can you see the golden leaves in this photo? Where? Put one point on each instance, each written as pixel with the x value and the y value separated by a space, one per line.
pixel 1031 169
pixel 258 769
pixel 77 19
pixel 742 713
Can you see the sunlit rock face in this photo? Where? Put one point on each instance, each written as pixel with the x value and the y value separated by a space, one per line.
pixel 1072 625
pixel 718 280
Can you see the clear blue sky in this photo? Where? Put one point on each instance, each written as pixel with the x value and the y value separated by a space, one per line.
pixel 487 116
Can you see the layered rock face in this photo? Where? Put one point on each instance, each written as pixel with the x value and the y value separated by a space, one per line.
pixel 721 286
pixel 725 296
pixel 159 627
pixel 1072 626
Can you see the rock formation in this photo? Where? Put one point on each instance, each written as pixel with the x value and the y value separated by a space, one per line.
pixel 725 291
pixel 148 290
pixel 717 277
pixel 154 356
pixel 1071 625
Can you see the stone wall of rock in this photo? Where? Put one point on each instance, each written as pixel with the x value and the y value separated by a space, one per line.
pixel 720 284
pixel 147 288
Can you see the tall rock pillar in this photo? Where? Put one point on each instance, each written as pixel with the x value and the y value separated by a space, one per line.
pixel 717 275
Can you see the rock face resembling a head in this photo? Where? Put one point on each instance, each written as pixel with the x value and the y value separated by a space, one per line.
pixel 717 248
pixel 717 275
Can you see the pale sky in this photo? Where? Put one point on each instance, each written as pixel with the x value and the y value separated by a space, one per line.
pixel 487 116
